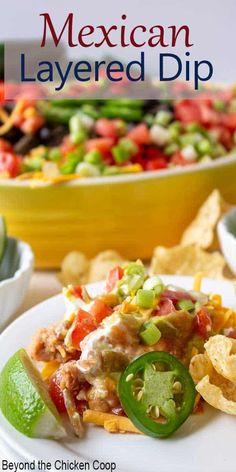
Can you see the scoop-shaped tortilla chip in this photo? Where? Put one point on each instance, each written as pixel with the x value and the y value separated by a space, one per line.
pixel 222 354
pixel 200 366
pixel 213 395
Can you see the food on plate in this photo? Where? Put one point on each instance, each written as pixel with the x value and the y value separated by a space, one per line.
pixel 157 385
pixel 61 140
pixel 9 254
pixel 187 260
pixel 121 359
pixel 76 268
pixel 25 402
pixel 202 230
pixel 214 372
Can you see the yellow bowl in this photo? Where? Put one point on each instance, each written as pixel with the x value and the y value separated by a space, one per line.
pixel 130 213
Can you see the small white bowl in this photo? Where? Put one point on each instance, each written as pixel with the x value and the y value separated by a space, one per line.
pixel 227 237
pixel 13 290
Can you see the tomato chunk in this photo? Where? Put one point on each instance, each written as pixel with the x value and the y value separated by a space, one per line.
pixel 100 310
pixel 83 325
pixel 113 277
pixel 5 146
pixel 202 323
pixel 10 163
pixel 110 128
pixel 103 145
pixel 156 164
pixel 77 291
pixel 56 394
pixel 140 134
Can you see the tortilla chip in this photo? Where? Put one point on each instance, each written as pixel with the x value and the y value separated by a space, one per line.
pixel 74 269
pixel 213 395
pixel 222 354
pixel 214 388
pixel 102 264
pixel 200 365
pixel 187 260
pixel 202 230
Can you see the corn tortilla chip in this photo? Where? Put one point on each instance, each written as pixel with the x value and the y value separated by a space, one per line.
pixel 74 269
pixel 213 395
pixel 102 264
pixel 202 230
pixel 222 354
pixel 187 260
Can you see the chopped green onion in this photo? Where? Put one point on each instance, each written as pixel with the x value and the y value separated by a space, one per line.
pixel 175 130
pixel 145 298
pixel 219 105
pixel 154 283
pixel 195 128
pixel 134 268
pixel 150 335
pixel 186 305
pixel 124 150
pixel 84 169
pixel 33 163
pixel 148 119
pixel 190 138
pixel 111 170
pixel 55 154
pixel 171 149
pixel 69 167
pixel 77 130
pixel 204 147
pixel 93 157
pixel 163 117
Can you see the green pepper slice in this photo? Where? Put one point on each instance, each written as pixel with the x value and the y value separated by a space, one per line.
pixel 157 393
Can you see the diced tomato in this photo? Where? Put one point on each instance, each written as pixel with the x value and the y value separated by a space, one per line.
pixel 176 295
pixel 230 121
pixel 100 310
pixel 187 111
pixel 110 128
pixel 156 164
pixel 56 394
pixel 152 152
pixel 83 325
pixel 67 146
pixel 179 160
pixel 114 276
pixel 232 334
pixel 32 125
pixel 5 146
pixel 197 111
pixel 223 135
pixel 10 163
pixel 202 323
pixel 140 134
pixel 77 291
pixel 103 145
pixel 166 307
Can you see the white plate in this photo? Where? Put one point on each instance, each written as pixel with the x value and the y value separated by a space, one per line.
pixel 205 442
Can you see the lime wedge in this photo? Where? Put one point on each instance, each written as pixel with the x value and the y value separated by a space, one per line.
pixel 3 236
pixel 25 402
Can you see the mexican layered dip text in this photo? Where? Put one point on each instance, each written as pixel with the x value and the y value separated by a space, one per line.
pixel 140 357
pixel 66 139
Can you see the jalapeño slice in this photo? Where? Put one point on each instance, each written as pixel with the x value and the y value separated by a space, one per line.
pixel 157 393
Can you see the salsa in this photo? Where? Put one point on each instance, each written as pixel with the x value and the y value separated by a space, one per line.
pixel 72 138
